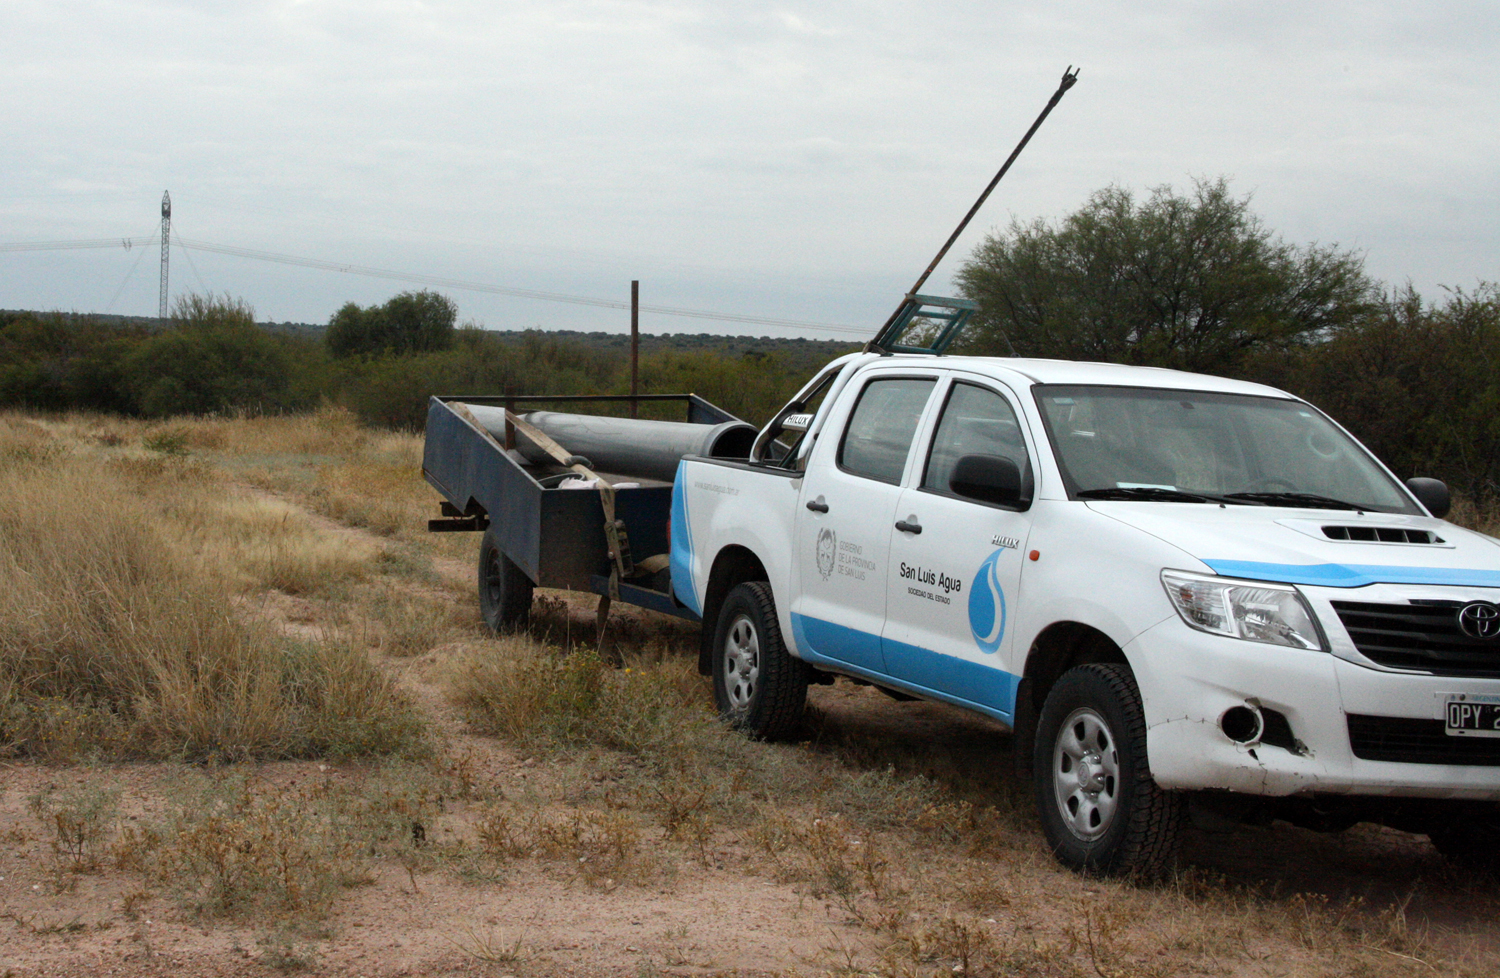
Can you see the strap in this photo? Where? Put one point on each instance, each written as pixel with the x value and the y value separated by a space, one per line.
pixel 651 565
pixel 614 529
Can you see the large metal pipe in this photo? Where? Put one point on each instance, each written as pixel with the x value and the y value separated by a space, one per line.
pixel 624 446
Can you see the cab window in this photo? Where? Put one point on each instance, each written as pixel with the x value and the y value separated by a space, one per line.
pixel 881 427
pixel 976 421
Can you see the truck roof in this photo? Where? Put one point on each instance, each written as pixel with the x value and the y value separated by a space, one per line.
pixel 1037 371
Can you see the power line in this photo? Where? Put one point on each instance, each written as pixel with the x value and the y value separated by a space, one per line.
pixel 420 279
pixel 125 281
pixel 124 243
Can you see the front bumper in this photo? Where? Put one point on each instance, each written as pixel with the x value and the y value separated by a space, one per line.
pixel 1189 679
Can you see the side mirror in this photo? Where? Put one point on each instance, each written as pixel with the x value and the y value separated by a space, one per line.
pixel 1432 493
pixel 989 479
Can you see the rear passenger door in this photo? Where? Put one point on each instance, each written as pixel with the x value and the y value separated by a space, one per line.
pixel 845 516
pixel 955 562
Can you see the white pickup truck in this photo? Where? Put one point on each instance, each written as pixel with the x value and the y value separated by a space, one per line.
pixel 1174 588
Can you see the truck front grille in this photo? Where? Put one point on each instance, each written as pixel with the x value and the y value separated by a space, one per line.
pixel 1411 741
pixel 1418 635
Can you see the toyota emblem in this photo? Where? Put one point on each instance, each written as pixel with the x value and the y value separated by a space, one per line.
pixel 1480 619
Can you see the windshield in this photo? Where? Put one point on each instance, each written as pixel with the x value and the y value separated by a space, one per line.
pixel 1170 445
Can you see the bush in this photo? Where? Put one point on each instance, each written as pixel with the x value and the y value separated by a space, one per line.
pixel 412 322
pixel 1418 383
pixel 58 362
pixel 213 359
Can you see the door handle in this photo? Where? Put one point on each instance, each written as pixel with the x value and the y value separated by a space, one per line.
pixel 817 505
pixel 909 525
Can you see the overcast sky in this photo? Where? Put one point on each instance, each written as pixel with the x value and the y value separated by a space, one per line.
pixel 783 160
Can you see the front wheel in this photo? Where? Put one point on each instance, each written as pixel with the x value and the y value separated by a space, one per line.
pixel 1100 809
pixel 504 589
pixel 758 686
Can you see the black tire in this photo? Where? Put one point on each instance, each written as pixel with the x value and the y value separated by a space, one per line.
pixel 504 589
pixel 1101 811
pixel 758 686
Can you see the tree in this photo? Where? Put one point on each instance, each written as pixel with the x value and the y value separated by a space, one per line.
pixel 412 322
pixel 214 358
pixel 1194 282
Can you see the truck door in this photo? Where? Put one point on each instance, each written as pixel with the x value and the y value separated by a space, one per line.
pixel 844 521
pixel 956 563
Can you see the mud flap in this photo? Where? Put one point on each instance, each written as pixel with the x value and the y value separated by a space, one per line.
pixel 1023 729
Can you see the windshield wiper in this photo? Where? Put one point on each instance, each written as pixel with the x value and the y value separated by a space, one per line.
pixel 1155 493
pixel 1307 500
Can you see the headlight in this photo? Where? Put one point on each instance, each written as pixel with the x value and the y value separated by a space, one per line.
pixel 1258 612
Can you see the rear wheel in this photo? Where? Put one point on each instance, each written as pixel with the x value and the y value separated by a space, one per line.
pixel 1100 809
pixel 504 589
pixel 758 686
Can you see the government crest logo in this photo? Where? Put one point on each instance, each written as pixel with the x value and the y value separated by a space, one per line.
pixel 828 548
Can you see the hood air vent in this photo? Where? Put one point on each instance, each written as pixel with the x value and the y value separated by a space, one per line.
pixel 1380 534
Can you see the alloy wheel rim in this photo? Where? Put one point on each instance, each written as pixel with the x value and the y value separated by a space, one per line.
pixel 1086 774
pixel 741 663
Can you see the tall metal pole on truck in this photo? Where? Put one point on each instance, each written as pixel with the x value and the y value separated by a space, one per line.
pixel 1070 76
pixel 635 343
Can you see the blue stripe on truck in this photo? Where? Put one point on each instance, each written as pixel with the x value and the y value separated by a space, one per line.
pixel 681 558
pixel 962 682
pixel 819 640
pixel 958 680
pixel 1354 575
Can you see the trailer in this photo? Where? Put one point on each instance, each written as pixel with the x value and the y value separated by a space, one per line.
pixel 572 501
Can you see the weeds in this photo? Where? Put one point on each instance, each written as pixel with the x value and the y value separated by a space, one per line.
pixel 489 947
pixel 168 441
pixel 539 697
pixel 255 853
pixel 287 952
pixel 838 860
pixel 78 820
pixel 603 848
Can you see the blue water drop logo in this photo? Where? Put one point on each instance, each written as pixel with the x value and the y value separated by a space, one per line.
pixel 987 605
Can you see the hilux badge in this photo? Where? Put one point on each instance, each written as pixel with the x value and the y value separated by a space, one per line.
pixel 1480 619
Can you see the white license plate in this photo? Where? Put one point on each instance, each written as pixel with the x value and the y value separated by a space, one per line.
pixel 1464 717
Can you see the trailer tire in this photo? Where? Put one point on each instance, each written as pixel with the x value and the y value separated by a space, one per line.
pixel 504 589
pixel 1101 811
pixel 759 687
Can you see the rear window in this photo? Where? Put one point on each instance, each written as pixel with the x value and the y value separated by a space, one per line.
pixel 882 426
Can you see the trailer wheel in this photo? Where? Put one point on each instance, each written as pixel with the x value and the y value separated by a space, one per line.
pixel 504 589
pixel 1101 811
pixel 758 686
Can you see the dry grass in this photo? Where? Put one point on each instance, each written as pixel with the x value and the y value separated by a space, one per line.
pixel 927 859
pixel 1485 519
pixel 118 635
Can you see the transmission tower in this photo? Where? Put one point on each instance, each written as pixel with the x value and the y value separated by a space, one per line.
pixel 166 240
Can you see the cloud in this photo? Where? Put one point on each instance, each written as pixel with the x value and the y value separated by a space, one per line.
pixel 820 148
